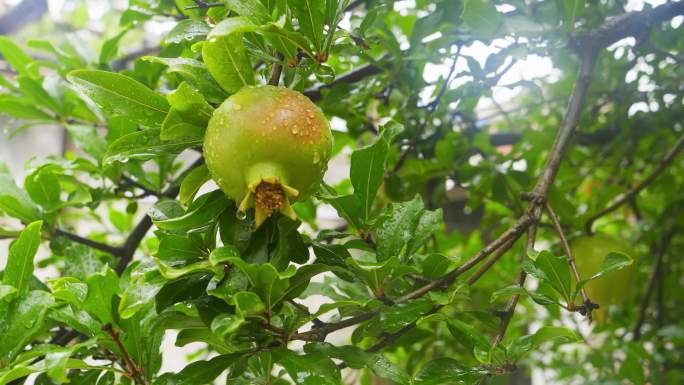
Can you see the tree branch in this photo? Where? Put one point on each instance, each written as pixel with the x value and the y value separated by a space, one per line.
pixel 654 276
pixel 22 14
pixel 353 76
pixel 633 192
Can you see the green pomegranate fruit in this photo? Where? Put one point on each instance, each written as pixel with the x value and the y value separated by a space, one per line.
pixel 267 147
pixel 611 289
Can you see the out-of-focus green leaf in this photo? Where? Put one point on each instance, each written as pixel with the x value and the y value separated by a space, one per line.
pixel 482 17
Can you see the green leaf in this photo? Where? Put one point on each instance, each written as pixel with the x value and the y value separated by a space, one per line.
pixel 186 288
pixel 373 273
pixel 347 206
pixel 614 261
pixel 200 372
pixel 226 324
pixel 195 73
pixel 367 172
pixel 311 15
pixel 405 228
pixel 265 280
pixel 111 46
pixel 393 318
pixel 482 17
pixel 13 200
pixel 446 371
pixel 35 90
pixel 25 318
pixel 225 55
pixel 526 344
pixel 224 254
pixel 248 304
pixel 173 273
pixel 140 293
pixel 187 31
pixel 19 269
pixel 572 10
pixel 553 270
pixel 144 145
pixel 69 289
pixel 81 262
pixel 15 56
pixel 87 139
pixel 102 287
pixel 201 214
pixel 177 248
pixel 357 358
pixel 43 187
pixel 120 95
pixel 192 183
pixel 189 114
pixel 253 10
pixel 18 108
pixel 308 369
pixel 468 335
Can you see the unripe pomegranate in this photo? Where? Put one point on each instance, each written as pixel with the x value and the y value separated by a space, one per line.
pixel 267 147
pixel 611 289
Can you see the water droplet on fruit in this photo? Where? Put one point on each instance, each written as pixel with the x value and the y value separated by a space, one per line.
pixel 316 157
pixel 237 107
pixel 295 131
pixel 241 215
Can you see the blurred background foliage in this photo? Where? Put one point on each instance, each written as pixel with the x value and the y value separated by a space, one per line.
pixel 458 102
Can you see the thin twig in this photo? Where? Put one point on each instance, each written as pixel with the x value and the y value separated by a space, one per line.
pixel 490 262
pixel 588 305
pixel 510 234
pixel 631 193
pixel 277 70
pixel 134 371
pixel 656 272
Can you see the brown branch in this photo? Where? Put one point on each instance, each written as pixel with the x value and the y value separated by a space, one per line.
pixel 22 14
pixel 354 76
pixel 90 243
pixel 277 70
pixel 504 239
pixel 132 370
pixel 656 274
pixel 633 192
pixel 490 262
pixel 136 236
